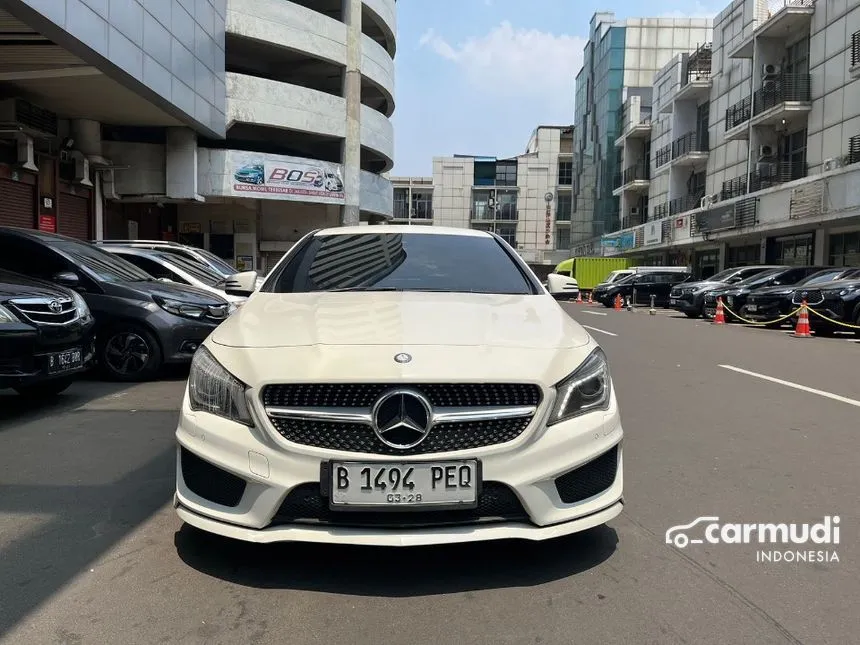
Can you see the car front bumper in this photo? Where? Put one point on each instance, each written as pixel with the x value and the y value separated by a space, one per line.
pixel 262 476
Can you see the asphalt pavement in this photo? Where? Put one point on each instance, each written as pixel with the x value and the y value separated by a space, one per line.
pixel 744 424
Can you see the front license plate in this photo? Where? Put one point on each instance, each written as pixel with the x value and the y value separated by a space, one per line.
pixel 752 307
pixel 710 311
pixel 673 301
pixel 403 485
pixel 66 361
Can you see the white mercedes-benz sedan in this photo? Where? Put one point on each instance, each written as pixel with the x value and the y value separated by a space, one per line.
pixel 398 385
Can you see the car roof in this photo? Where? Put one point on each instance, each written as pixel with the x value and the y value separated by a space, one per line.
pixel 401 228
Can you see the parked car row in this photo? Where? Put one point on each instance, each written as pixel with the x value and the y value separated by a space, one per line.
pixel 769 294
pixel 68 305
pixel 639 287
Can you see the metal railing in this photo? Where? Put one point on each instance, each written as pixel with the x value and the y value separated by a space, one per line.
pixel 685 203
pixel 663 156
pixel 773 6
pixel 740 112
pixel 638 172
pixel 765 176
pixel 854 149
pixel 645 115
pixel 786 87
pixel 690 143
pixel 661 210
pixel 855 49
pixel 699 64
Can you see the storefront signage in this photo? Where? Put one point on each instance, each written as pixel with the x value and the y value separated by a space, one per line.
pixel 48 223
pixel 716 220
pixel 653 232
pixel 280 177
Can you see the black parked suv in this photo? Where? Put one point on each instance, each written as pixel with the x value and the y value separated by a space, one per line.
pixel 689 297
pixel 770 303
pixel 838 300
pixel 656 283
pixel 141 323
pixel 735 296
pixel 46 336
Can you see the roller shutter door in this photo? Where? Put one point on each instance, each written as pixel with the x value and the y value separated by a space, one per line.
pixel 74 217
pixel 17 204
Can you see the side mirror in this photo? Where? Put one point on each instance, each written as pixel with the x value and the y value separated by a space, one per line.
pixel 241 284
pixel 164 280
pixel 68 279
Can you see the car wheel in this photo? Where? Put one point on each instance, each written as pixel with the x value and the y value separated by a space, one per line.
pixel 129 353
pixel 44 390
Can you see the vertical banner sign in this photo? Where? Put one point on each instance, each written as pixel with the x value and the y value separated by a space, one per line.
pixel 281 177
pixel 548 199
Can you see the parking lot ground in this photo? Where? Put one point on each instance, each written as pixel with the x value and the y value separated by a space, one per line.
pixel 92 552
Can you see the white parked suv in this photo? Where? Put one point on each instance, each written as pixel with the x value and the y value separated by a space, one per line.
pixel 398 386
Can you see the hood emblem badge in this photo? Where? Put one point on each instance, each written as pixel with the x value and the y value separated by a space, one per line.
pixel 402 357
pixel 55 307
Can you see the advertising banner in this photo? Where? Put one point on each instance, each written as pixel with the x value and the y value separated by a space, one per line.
pixel 279 177
pixel 653 232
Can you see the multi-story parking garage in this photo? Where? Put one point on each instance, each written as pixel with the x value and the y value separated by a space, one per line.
pixel 233 125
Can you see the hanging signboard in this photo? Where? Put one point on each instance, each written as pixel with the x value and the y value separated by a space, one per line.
pixel 279 177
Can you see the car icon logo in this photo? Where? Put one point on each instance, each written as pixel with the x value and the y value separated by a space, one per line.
pixel 403 357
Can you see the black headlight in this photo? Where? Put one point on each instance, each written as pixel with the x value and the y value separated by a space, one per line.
pixel 587 389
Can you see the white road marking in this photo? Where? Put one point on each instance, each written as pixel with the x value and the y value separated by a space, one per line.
pixel 796 386
pixel 602 331
pixel 595 313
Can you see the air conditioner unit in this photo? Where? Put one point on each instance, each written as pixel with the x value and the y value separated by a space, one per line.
pixel 82 169
pixel 770 71
pixel 765 152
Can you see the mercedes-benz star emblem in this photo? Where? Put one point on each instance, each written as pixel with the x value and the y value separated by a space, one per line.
pixel 55 306
pixel 402 418
pixel 403 357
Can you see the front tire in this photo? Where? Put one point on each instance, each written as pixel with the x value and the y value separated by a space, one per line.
pixel 46 390
pixel 129 353
pixel 692 314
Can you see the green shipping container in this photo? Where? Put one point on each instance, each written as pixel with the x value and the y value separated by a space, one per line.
pixel 589 272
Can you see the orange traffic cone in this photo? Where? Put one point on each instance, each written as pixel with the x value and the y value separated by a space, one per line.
pixel 579 297
pixel 720 317
pixel 802 330
pixel 590 301
pixel 617 302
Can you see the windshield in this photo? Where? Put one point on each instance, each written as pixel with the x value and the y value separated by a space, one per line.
pixel 195 270
pixel 722 276
pixel 104 266
pixel 759 279
pixel 402 262
pixel 823 276
pixel 211 260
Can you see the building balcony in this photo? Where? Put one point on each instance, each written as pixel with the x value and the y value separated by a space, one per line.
pixel 685 203
pixel 634 179
pixel 854 149
pixel 737 120
pixel 783 98
pixel 660 211
pixel 766 175
pixel 696 83
pixel 690 150
pixel 663 157
pixel 782 21
pixel 633 124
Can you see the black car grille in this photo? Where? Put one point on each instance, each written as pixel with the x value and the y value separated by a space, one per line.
pixel 306 505
pixel 361 438
pixel 813 296
pixel 589 479
pixel 46 311
pixel 710 300
pixel 210 482
pixel 360 395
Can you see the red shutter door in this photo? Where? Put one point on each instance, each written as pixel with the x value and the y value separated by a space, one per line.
pixel 74 216
pixel 17 204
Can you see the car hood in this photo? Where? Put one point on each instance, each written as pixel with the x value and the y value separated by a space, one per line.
pixel 781 290
pixel 700 284
pixel 851 283
pixel 15 285
pixel 182 292
pixel 350 337
pixel 400 319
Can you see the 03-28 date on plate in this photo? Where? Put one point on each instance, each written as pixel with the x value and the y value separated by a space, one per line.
pixel 361 484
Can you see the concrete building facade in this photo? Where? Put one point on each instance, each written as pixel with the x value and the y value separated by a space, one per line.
pixel 619 63
pixel 524 199
pixel 770 171
pixel 235 125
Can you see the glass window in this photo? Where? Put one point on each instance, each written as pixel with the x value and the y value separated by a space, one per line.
pixel 28 258
pixel 563 207
pixel 565 173
pixel 402 262
pixel 845 249
pixel 101 265
pixel 562 238
pixel 506 173
pixel 193 269
pixel 153 268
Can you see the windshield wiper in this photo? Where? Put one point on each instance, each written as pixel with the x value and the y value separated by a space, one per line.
pixel 341 289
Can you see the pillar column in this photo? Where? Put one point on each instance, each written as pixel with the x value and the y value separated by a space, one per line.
pixel 350 214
